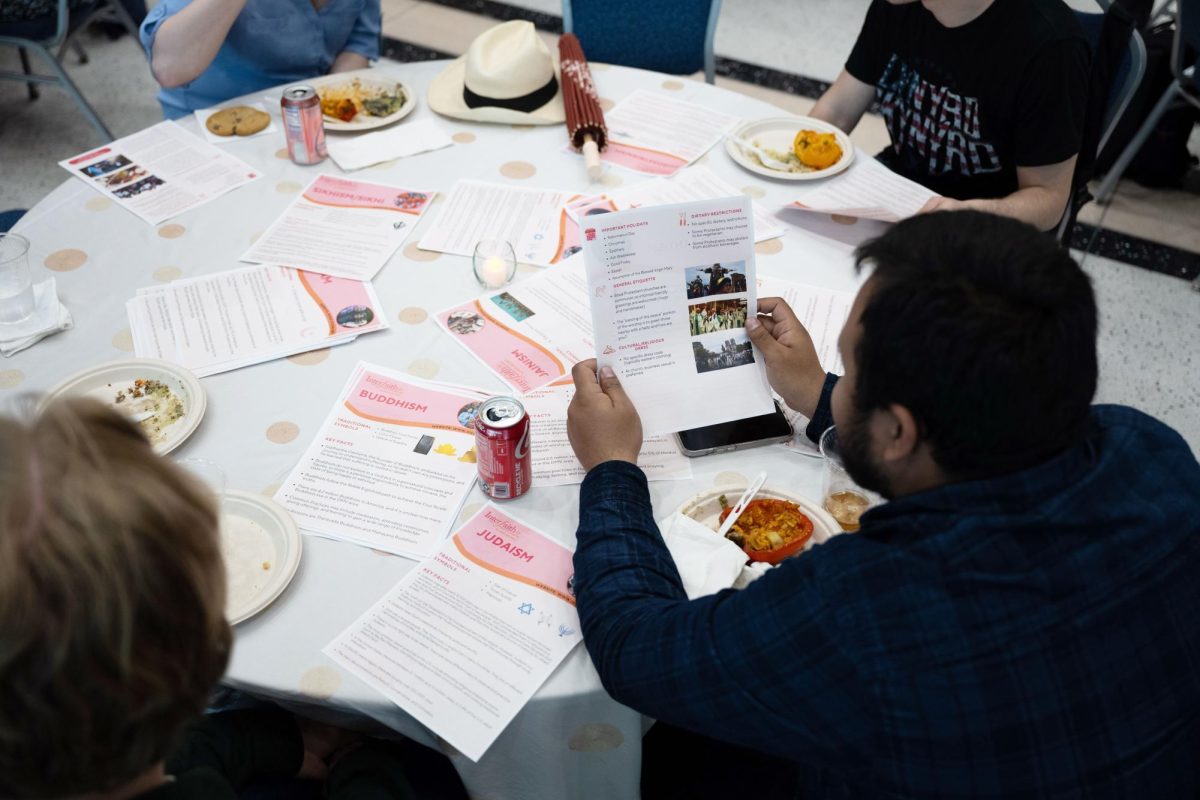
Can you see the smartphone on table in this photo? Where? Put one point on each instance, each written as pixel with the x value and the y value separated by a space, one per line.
pixel 737 435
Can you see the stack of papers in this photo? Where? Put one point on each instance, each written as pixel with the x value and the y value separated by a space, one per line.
pixel 246 316
pixel 867 190
pixel 341 227
pixel 356 152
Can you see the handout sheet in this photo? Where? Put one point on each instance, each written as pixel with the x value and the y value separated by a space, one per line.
pixel 341 227
pixel 244 316
pixel 532 220
pixel 554 462
pixel 694 183
pixel 659 135
pixel 529 333
pixel 671 288
pixel 160 172
pixel 390 467
pixel 869 190
pixel 463 641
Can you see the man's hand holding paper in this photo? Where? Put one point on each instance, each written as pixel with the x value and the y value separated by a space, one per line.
pixel 602 423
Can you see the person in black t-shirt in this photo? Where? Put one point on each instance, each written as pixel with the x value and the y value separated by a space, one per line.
pixel 984 99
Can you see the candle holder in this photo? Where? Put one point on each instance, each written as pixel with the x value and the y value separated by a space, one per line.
pixel 494 263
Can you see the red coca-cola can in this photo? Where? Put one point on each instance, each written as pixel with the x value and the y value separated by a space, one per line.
pixel 303 124
pixel 502 448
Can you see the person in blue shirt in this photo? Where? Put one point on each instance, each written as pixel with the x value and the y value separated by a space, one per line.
pixel 1020 619
pixel 204 52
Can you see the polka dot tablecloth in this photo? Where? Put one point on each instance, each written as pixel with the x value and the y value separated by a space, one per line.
pixel 571 740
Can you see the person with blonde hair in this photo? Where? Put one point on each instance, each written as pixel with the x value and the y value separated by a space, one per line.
pixel 113 633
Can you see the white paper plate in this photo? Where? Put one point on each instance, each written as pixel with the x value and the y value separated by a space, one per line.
pixel 105 380
pixel 778 133
pixel 705 508
pixel 369 78
pixel 261 547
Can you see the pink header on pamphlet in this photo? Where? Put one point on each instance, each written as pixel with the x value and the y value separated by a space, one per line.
pixel 505 546
pixel 346 303
pixel 382 399
pixel 642 159
pixel 516 358
pixel 89 156
pixel 330 191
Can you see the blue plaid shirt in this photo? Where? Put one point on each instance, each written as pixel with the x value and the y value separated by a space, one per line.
pixel 1034 635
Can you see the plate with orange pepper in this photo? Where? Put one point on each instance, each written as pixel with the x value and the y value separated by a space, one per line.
pixel 775 525
pixel 813 149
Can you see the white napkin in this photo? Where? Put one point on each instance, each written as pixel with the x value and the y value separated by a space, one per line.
pixel 49 316
pixel 707 563
pixel 202 119
pixel 397 142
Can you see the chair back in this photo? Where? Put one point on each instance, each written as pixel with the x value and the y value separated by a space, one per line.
pixel 48 30
pixel 1187 37
pixel 673 36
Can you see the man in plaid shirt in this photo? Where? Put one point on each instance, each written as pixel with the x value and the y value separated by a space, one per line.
pixel 1021 619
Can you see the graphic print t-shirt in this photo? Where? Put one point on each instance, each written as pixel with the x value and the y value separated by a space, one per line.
pixel 966 106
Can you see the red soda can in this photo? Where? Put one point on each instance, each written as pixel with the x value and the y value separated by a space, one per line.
pixel 502 448
pixel 303 124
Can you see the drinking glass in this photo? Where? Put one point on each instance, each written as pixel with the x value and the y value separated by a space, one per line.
pixel 16 284
pixel 494 263
pixel 844 499
pixel 207 472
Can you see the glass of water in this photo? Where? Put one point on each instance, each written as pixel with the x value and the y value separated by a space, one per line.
pixel 16 284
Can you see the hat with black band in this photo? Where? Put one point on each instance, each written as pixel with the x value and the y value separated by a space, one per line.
pixel 507 75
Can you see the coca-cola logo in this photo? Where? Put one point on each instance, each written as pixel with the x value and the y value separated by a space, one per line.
pixel 522 447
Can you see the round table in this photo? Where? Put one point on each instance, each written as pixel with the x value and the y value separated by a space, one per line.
pixel 572 740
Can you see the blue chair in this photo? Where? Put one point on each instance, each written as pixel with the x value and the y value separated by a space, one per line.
pixel 1185 87
pixel 42 35
pixel 1118 66
pixel 674 36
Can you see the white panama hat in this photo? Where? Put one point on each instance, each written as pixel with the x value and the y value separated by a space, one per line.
pixel 507 75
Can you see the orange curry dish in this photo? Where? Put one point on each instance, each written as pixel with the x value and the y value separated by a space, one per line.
pixel 770 530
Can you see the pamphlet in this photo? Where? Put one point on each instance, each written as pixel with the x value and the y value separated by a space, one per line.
pixel 464 641
pixel 671 288
pixel 554 462
pixel 529 333
pixel 160 172
pixel 869 190
pixel 659 135
pixel 694 183
pixel 244 316
pixel 532 220
pixel 391 466
pixel 341 227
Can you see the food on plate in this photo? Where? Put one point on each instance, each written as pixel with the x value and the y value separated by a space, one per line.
pixel 153 401
pixel 768 529
pixel 346 101
pixel 817 150
pixel 237 121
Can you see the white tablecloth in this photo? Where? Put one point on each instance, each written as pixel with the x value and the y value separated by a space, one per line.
pixel 572 740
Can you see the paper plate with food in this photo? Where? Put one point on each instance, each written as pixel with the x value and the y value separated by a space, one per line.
pixel 775 525
pixel 261 549
pixel 362 100
pixel 790 148
pixel 165 400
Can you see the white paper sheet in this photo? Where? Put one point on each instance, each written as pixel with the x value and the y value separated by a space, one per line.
pixel 160 172
pixel 554 462
pixel 868 190
pixel 532 220
pixel 658 135
pixel 530 333
pixel 244 316
pixel 650 272
pixel 341 227
pixel 691 184
pixel 408 139
pixel 390 467
pixel 465 640
pixel 203 114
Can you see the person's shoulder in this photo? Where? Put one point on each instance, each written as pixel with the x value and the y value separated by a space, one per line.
pixel 1044 21
pixel 1127 427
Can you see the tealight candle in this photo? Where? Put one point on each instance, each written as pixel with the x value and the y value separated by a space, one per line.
pixel 494 263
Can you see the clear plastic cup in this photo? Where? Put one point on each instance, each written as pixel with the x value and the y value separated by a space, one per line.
pixel 844 499
pixel 16 284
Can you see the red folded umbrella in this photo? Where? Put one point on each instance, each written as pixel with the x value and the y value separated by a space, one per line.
pixel 585 118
